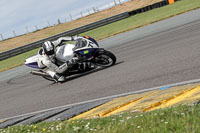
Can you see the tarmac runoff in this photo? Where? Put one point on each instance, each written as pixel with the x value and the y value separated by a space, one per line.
pixel 147 101
pixel 187 92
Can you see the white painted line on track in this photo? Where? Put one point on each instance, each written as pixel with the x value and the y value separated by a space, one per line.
pixel 104 98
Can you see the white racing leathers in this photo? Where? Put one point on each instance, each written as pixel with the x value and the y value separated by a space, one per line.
pixel 63 54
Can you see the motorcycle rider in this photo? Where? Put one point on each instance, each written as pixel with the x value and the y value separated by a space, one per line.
pixel 47 58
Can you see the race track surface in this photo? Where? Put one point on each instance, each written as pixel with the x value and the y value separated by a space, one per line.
pixel 163 53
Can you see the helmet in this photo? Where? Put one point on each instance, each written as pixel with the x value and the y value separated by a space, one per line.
pixel 48 48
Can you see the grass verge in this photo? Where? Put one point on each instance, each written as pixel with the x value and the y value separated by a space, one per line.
pixel 16 60
pixel 179 119
pixel 119 27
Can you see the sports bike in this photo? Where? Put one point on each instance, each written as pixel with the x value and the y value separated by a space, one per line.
pixel 90 56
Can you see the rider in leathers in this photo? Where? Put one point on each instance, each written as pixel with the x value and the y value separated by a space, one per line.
pixel 51 54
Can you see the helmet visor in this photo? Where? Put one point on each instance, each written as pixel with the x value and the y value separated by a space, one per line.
pixel 50 52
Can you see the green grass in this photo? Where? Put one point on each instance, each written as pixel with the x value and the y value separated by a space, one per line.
pixel 144 18
pixel 119 27
pixel 179 119
pixel 16 60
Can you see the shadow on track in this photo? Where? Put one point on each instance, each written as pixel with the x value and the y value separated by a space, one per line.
pixel 72 77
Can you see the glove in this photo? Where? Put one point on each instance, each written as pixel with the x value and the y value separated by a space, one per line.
pixel 75 37
pixel 72 61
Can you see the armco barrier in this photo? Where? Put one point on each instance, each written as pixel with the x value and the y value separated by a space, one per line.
pixel 31 46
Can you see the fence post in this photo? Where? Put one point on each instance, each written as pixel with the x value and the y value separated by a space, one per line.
pixel 59 22
pixel 27 29
pixel 115 3
pixel 14 33
pixel 94 10
pixel 81 14
pixel 70 17
pixel 1 37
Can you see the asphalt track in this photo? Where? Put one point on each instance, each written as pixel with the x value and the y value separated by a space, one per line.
pixel 162 53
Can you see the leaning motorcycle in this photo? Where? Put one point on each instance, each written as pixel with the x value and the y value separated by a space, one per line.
pixel 89 54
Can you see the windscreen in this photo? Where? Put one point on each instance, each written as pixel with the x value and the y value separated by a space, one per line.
pixel 80 43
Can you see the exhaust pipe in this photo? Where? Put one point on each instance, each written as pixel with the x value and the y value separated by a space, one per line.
pixel 39 73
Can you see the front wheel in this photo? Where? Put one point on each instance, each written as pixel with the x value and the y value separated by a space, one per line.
pixel 105 59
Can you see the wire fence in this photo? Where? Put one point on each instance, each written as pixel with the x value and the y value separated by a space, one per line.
pixel 82 14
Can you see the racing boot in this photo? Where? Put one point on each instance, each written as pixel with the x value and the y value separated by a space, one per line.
pixel 82 67
pixel 59 78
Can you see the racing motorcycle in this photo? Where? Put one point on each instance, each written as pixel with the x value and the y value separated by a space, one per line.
pixel 89 54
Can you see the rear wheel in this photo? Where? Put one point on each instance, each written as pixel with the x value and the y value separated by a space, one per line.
pixel 105 59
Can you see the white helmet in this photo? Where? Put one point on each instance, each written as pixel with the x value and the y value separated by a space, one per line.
pixel 48 48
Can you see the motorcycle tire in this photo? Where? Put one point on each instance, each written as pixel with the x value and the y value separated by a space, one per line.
pixel 105 59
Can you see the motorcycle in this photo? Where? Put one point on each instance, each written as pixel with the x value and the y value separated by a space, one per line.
pixel 89 55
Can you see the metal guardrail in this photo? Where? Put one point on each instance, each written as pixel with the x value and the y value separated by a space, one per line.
pixel 31 46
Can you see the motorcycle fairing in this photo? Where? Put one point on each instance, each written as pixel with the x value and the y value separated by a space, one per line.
pixel 86 52
pixel 83 44
pixel 91 39
pixel 65 52
pixel 32 62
